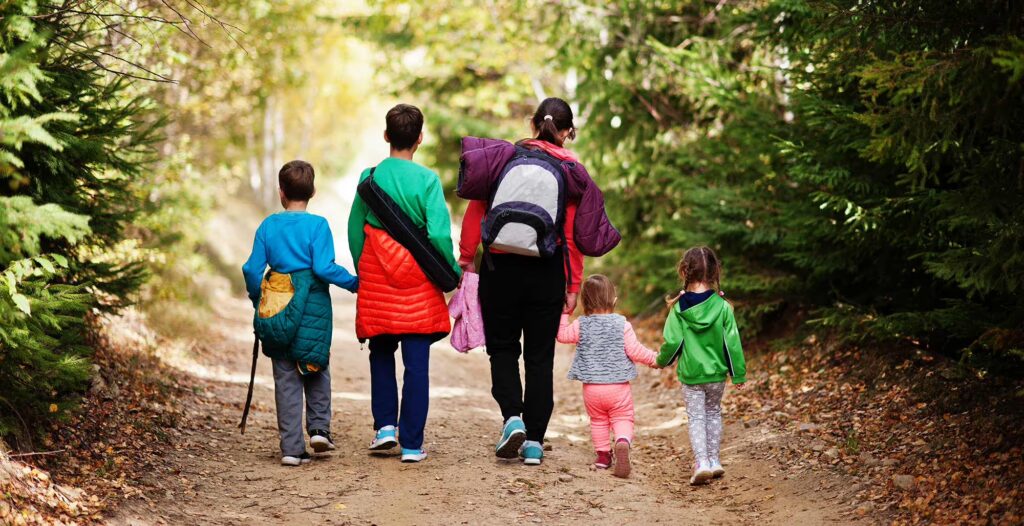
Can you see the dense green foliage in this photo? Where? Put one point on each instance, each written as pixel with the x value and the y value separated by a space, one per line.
pixel 682 104
pixel 861 159
pixel 72 146
pixel 908 147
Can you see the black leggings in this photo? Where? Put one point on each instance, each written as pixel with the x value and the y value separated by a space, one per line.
pixel 523 296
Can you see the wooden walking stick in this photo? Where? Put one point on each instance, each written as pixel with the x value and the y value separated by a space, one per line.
pixel 252 380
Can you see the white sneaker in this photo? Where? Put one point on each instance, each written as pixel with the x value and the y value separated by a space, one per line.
pixel 289 460
pixel 717 470
pixel 701 474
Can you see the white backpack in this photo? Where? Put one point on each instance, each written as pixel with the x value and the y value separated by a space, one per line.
pixel 526 212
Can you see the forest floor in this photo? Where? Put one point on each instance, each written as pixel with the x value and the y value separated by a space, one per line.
pixel 214 475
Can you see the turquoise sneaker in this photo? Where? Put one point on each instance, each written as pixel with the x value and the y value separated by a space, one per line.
pixel 512 437
pixel 531 453
pixel 386 438
pixel 413 455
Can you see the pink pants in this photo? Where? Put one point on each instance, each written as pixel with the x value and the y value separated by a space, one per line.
pixel 609 406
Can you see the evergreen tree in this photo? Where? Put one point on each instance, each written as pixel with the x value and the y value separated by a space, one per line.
pixel 73 140
pixel 907 149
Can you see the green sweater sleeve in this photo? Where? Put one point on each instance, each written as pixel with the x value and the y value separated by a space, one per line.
pixel 738 365
pixel 356 222
pixel 673 334
pixel 439 223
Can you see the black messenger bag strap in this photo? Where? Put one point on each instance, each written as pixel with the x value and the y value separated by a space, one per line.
pixel 402 229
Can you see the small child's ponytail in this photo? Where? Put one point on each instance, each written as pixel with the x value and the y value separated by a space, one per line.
pixel 698 265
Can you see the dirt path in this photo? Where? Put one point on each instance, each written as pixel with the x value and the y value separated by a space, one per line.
pixel 220 477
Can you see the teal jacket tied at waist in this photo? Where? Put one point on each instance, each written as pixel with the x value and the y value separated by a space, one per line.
pixel 302 331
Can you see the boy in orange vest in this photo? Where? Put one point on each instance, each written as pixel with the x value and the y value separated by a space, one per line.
pixel 397 304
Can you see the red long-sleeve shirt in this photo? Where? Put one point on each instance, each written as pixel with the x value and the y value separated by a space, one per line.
pixel 471 224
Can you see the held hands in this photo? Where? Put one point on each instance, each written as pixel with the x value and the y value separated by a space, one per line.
pixel 570 302
pixel 466 267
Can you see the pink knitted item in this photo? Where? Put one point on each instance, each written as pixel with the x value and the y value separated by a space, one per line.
pixel 468 331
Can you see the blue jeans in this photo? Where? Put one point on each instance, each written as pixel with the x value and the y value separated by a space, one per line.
pixel 415 386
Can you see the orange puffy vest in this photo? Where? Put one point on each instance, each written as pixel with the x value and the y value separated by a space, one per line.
pixel 395 297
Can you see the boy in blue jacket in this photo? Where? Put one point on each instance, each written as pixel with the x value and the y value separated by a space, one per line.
pixel 298 244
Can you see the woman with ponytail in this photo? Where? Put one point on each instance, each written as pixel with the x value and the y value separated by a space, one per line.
pixel 523 296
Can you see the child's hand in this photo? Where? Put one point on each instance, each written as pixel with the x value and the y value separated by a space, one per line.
pixel 740 386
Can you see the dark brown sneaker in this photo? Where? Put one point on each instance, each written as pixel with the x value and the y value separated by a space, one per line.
pixel 622 467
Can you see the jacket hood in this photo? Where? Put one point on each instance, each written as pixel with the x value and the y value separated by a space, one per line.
pixel 553 150
pixel 703 315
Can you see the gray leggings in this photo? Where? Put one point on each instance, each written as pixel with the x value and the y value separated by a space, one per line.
pixel 704 411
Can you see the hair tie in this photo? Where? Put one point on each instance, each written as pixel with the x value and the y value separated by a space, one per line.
pixel 548 118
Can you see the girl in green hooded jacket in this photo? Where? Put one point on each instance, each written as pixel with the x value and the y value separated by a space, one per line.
pixel 701 333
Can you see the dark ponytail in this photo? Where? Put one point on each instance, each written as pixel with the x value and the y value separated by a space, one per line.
pixel 552 116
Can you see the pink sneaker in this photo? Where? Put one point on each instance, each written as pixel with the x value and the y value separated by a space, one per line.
pixel 604 460
pixel 622 467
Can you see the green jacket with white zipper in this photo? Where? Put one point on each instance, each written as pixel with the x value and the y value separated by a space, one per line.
pixel 706 341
